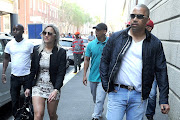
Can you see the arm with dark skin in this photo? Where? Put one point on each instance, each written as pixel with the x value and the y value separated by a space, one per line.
pixel 86 66
pixel 5 65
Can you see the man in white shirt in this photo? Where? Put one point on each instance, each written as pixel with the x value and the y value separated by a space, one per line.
pixel 91 37
pixel 19 51
pixel 129 62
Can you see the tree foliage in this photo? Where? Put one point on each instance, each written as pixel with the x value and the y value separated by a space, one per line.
pixel 71 14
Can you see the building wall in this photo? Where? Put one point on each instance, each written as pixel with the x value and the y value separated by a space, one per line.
pixel 38 11
pixel 7 7
pixel 166 16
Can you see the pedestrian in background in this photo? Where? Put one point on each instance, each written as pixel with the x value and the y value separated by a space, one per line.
pixel 48 68
pixel 151 106
pixel 129 62
pixel 110 34
pixel 91 37
pixel 128 24
pixel 78 49
pixel 19 51
pixel 69 36
pixel 93 52
pixel 150 25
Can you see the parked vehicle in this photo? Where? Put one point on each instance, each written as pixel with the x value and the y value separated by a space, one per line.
pixel 85 42
pixel 4 88
pixel 66 43
pixel 36 41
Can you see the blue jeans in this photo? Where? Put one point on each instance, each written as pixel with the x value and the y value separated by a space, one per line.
pixel 152 100
pixel 16 83
pixel 99 96
pixel 125 102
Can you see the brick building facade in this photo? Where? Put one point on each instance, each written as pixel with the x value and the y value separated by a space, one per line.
pixel 38 11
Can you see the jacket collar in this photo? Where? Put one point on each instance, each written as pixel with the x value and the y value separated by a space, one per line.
pixel 55 49
pixel 148 34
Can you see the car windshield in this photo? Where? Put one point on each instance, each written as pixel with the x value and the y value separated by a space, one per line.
pixel 85 40
pixel 65 43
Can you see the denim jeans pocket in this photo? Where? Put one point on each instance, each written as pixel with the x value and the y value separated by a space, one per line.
pixel 116 89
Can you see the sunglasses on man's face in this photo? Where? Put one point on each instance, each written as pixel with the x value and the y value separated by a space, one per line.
pixel 138 16
pixel 49 33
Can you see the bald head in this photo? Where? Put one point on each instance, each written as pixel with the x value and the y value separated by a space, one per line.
pixel 145 7
pixel 18 30
pixel 20 26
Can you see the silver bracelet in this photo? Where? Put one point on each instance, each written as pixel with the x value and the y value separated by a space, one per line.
pixel 56 90
pixel 4 74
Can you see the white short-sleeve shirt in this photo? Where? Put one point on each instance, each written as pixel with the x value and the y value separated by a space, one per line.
pixel 20 53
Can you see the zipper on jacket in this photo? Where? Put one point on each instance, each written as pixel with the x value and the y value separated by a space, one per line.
pixel 142 75
pixel 122 51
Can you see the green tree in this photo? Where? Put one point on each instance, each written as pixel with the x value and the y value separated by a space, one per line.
pixel 72 14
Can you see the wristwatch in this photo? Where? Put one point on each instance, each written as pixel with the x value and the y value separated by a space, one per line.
pixel 56 90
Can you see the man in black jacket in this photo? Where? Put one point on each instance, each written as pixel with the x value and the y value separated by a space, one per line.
pixel 129 62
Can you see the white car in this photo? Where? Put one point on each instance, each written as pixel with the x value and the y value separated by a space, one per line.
pixel 5 96
pixel 36 41
pixel 66 43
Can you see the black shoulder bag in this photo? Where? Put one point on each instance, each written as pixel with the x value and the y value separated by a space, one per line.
pixel 26 111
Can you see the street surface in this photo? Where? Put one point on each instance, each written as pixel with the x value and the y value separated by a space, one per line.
pixel 76 101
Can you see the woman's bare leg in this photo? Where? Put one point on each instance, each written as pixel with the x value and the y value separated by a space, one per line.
pixel 38 106
pixel 52 108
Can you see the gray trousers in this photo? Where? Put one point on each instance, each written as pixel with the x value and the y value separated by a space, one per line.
pixel 77 61
pixel 99 96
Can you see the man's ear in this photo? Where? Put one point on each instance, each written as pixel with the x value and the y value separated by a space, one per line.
pixel 148 20
pixel 105 31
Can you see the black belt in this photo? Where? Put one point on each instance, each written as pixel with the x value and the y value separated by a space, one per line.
pixel 126 87
pixel 19 76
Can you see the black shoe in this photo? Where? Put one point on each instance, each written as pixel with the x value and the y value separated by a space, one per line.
pixel 150 117
pixel 95 119
pixel 75 71
pixel 79 67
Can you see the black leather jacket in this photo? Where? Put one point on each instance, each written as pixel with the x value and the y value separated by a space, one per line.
pixel 57 67
pixel 154 63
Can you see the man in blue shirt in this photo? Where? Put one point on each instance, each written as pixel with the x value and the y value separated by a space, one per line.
pixel 69 36
pixel 94 51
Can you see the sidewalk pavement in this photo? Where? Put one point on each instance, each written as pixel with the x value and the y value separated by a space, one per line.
pixel 76 102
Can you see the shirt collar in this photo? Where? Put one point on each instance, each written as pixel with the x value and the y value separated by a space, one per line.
pixel 97 41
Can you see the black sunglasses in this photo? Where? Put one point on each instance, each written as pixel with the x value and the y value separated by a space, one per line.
pixel 138 16
pixel 49 33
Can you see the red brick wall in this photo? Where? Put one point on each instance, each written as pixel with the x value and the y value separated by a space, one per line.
pixel 45 17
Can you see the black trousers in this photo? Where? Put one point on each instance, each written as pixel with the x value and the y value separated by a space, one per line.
pixel 16 83
pixel 77 61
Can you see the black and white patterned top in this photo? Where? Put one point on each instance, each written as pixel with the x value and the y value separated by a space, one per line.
pixel 44 86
